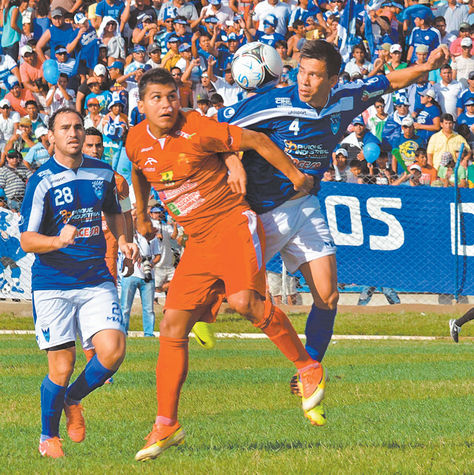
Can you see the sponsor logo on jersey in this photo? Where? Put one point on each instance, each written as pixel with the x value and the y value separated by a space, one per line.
pixel 150 161
pixel 316 151
pixel 87 232
pixel 283 101
pixel 98 187
pixel 185 135
pixel 229 112
pixel 146 149
pixel 167 176
pixel 46 334
pixel 45 173
pixel 335 120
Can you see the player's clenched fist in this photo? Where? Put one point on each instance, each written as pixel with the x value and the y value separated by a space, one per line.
pixel 303 183
pixel 67 236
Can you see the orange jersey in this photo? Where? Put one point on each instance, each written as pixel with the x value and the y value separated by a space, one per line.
pixel 184 168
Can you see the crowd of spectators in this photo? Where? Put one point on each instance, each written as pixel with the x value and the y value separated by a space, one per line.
pixel 103 48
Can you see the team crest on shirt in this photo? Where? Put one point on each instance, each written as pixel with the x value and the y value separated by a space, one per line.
pixel 335 120
pixel 98 187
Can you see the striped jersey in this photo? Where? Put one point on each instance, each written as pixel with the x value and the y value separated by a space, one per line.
pixel 308 135
pixel 56 196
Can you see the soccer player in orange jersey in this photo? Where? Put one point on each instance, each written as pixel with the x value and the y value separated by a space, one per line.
pixel 177 153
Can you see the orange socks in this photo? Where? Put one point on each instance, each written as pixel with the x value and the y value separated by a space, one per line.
pixel 278 328
pixel 171 372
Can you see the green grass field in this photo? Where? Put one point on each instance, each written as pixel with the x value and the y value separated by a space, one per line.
pixel 393 407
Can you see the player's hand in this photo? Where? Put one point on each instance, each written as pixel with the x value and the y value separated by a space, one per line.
pixel 438 57
pixel 237 178
pixel 304 183
pixel 145 227
pixel 130 251
pixel 67 236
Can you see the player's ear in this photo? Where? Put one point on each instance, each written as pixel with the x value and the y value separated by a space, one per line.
pixel 140 107
pixel 334 80
pixel 51 137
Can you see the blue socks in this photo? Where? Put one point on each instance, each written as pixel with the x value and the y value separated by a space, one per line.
pixel 319 329
pixel 93 376
pixel 52 402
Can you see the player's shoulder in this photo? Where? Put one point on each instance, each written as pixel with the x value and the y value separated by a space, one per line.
pixel 137 136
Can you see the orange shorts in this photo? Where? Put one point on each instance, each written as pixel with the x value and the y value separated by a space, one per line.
pixel 228 262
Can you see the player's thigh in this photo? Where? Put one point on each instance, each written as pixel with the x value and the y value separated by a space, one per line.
pixel 54 313
pixel 99 310
pixel 321 277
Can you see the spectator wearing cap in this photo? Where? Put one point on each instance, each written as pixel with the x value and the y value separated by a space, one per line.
pixel 138 62
pixel 446 38
pixel 111 8
pixel 395 61
pixel 421 53
pixel 58 33
pixel 162 36
pixel 447 166
pixel 455 15
pixel 109 35
pixel 215 8
pixel 9 120
pixel 392 130
pixel 95 83
pixel 93 117
pixel 186 57
pixel 66 64
pixel 154 53
pixel 86 44
pixel 269 35
pixel 466 95
pixel 226 86
pixel 8 67
pixel 140 7
pixel 358 64
pixel 60 96
pixel 18 96
pixel 277 8
pixel 133 92
pixel 410 178
pixel 464 32
pixel 427 120
pixel 12 26
pixel 407 144
pixel 467 118
pixel 377 118
pixel 446 140
pixel 448 90
pixel 180 26
pixel 230 44
pixel 171 58
pixel 207 25
pixel 175 8
pixel 40 152
pixel 342 171
pixel 115 126
pixel 422 34
pixel 13 178
pixel 23 139
pixel 31 69
pixel 103 96
pixel 145 31
pixel 463 65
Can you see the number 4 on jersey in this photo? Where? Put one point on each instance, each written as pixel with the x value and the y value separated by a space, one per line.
pixel 295 126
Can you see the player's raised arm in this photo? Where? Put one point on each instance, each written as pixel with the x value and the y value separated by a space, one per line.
pixel 259 142
pixel 401 78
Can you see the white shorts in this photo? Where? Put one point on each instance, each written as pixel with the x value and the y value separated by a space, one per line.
pixel 62 315
pixel 297 230
pixel 163 275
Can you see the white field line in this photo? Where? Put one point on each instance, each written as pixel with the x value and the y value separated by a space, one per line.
pixel 261 336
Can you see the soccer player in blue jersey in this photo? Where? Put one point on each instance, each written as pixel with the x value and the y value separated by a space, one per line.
pixel 307 121
pixel 73 291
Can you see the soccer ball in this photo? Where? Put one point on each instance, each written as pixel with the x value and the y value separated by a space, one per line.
pixel 255 65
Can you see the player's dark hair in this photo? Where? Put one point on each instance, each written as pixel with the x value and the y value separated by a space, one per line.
pixel 155 76
pixel 323 51
pixel 64 110
pixel 93 131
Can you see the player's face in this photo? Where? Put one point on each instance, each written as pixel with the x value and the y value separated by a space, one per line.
pixel 93 146
pixel 161 107
pixel 68 135
pixel 314 85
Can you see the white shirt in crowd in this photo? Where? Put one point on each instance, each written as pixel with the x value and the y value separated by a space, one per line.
pixel 447 95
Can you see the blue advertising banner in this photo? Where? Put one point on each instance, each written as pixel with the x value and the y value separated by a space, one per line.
pixel 401 236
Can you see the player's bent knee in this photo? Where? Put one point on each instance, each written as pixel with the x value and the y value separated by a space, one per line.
pixel 328 301
pixel 245 305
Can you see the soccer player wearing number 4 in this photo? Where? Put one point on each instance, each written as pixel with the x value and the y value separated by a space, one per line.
pixel 308 121
pixel 176 153
pixel 73 291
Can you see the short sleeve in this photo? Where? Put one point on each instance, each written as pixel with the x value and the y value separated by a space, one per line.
pixel 218 137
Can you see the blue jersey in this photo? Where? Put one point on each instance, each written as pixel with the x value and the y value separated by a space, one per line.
pixel 429 37
pixel 463 98
pixel 308 135
pixel 56 196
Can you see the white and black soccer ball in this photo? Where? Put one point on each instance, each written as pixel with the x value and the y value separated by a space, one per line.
pixel 256 65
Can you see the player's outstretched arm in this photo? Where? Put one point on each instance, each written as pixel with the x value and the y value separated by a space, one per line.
pixel 141 187
pixel 40 244
pixel 259 142
pixel 401 78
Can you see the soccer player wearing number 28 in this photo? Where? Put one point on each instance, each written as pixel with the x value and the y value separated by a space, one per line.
pixel 73 291
pixel 308 121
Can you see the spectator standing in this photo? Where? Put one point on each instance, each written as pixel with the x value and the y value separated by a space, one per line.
pixel 230 91
pixel 18 96
pixel 407 145
pixel 12 22
pixel 427 120
pixel 455 15
pixel 115 127
pixel 111 8
pixel 279 9
pixel 464 32
pixel 376 122
pixel 422 34
pixel 59 96
pixel 467 118
pixel 440 25
pixel 9 120
pixel 392 130
pixel 13 178
pixel 109 34
pixel 466 95
pixel 31 69
pixel 463 64
pixel 446 140
pixel 448 90
pixel 40 152
pixel 175 8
